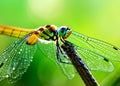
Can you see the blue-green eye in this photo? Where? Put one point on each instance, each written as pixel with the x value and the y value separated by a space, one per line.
pixel 64 32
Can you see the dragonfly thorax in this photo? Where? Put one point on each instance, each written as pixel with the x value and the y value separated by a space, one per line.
pixel 49 32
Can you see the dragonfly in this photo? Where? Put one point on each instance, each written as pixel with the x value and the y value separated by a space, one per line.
pixel 16 58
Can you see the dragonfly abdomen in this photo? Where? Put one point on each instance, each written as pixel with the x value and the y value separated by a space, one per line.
pixel 14 32
pixel 79 64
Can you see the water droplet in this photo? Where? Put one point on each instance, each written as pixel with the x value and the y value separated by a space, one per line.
pixel 13 68
pixel 6 60
pixel 19 52
pixel 20 49
pixel 30 60
pixel 7 76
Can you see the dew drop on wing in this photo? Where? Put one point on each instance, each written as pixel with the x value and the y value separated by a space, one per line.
pixel 19 52
pixel 6 76
pixel 13 68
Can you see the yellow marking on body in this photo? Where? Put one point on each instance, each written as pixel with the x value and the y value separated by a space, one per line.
pixel 32 39
pixel 51 27
pixel 67 35
pixel 14 31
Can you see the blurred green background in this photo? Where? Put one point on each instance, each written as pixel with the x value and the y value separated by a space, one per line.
pixel 95 18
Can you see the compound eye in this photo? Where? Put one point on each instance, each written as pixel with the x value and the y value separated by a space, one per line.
pixel 63 29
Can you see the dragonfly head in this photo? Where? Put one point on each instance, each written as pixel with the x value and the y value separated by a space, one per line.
pixel 64 32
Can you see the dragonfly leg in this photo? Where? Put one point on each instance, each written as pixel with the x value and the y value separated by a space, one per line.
pixel 58 51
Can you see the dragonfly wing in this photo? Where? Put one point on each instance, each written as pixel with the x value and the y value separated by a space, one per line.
pixel 49 50
pixel 94 60
pixel 15 60
pixel 98 46
pixel 96 50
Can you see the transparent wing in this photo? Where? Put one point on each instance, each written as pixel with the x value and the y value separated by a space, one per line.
pixel 94 60
pixel 49 50
pixel 96 50
pixel 15 60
